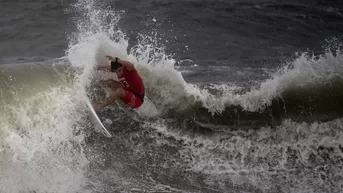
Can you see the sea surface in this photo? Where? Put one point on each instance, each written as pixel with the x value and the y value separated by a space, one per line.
pixel 242 96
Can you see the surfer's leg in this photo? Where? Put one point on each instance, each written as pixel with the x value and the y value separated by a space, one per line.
pixel 111 84
pixel 132 100
pixel 118 90
pixel 118 93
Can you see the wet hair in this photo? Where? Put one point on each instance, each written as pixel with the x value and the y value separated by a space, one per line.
pixel 115 64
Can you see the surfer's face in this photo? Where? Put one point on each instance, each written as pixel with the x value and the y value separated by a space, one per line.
pixel 119 71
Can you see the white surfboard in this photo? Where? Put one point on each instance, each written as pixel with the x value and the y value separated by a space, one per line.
pixel 96 121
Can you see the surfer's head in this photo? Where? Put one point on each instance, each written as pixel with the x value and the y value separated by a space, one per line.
pixel 115 65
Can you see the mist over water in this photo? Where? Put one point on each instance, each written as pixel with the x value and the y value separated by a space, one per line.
pixel 209 123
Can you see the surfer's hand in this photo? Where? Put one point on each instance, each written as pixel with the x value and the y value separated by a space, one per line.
pixel 110 58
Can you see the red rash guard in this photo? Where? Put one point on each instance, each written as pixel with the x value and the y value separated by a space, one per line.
pixel 133 84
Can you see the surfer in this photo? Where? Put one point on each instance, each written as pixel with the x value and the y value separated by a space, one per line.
pixel 129 88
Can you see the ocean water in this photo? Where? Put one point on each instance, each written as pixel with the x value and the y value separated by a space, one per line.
pixel 241 96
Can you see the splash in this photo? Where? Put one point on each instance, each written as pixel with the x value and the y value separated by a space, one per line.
pixel 99 35
pixel 42 133
pixel 42 144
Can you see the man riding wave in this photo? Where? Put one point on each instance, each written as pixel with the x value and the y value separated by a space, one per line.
pixel 129 88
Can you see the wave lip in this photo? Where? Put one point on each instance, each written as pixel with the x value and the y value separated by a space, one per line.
pixel 308 89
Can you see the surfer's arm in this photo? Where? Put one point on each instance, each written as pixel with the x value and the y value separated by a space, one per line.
pixel 104 68
pixel 129 66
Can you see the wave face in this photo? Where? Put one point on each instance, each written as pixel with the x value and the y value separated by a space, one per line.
pixel 307 89
pixel 215 125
